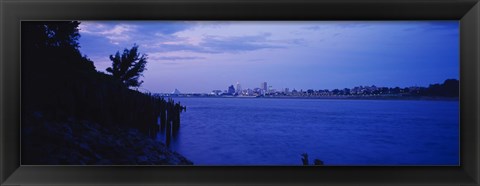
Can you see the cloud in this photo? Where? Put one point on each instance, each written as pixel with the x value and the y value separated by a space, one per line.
pixel 238 43
pixel 114 33
pixel 316 27
pixel 354 24
pixel 340 25
pixel 168 28
pixel 440 25
pixel 448 26
pixel 144 31
pixel 256 60
pixel 174 58
pixel 158 40
pixel 178 46
pixel 218 44
pixel 163 37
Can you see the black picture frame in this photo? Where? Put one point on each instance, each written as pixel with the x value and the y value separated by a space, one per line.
pixel 14 11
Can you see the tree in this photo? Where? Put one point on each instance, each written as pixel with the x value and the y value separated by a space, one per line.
pixel 62 34
pixel 304 158
pixel 128 67
pixel 451 88
pixel 56 42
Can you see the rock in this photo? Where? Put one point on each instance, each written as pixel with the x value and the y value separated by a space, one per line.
pixel 80 143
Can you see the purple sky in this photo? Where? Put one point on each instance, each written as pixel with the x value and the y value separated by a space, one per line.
pixel 200 56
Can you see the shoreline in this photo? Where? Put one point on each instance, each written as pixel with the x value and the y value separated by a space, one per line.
pixel 332 97
pixel 48 142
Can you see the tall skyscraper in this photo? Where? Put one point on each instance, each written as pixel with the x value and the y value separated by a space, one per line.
pixel 239 88
pixel 264 86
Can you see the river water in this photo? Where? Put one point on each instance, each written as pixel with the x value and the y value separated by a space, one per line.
pixel 269 131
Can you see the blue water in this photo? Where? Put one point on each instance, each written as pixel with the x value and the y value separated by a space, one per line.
pixel 255 131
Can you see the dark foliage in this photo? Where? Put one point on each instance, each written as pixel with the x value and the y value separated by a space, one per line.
pixel 317 162
pixel 60 83
pixel 51 65
pixel 128 67
pixel 304 158
pixel 449 88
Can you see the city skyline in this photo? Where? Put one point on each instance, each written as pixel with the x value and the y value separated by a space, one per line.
pixel 199 56
pixel 264 86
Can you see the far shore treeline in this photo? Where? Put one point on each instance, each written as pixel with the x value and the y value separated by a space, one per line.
pixel 448 89
pixel 61 84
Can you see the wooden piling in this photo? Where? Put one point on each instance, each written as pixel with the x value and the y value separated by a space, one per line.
pixel 168 133
pixel 168 112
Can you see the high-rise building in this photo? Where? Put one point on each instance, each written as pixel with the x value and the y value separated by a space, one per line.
pixel 264 86
pixel 239 88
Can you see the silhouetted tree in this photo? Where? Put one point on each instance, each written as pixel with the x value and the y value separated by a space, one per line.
pixel 61 84
pixel 51 65
pixel 451 88
pixel 63 34
pixel 335 91
pixel 128 66
pixel 304 158
pixel 317 162
pixel 396 90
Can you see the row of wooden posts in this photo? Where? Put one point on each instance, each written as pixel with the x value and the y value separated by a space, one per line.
pixel 169 117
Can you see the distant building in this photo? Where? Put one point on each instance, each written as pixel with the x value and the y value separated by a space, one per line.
pixel 216 92
pixel 231 90
pixel 244 92
pixel 414 89
pixel 239 88
pixel 249 92
pixel 176 92
pixel 264 86
pixel 294 92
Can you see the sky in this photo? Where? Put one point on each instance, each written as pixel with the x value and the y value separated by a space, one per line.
pixel 201 56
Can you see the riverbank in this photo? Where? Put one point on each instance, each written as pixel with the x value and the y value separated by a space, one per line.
pixel 334 97
pixel 369 97
pixel 85 143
